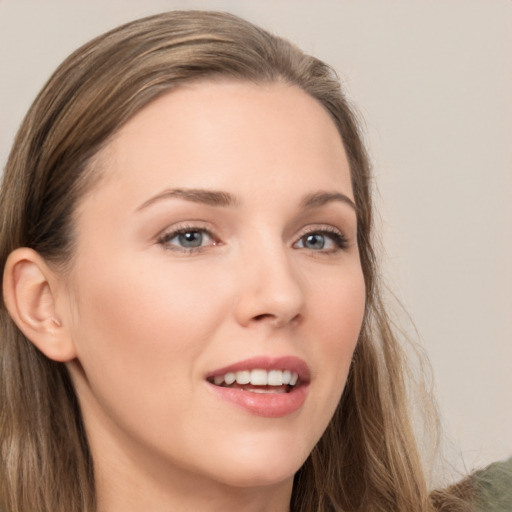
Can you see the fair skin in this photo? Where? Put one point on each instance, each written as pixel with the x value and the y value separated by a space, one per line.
pixel 173 282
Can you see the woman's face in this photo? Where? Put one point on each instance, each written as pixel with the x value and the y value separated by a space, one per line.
pixel 218 245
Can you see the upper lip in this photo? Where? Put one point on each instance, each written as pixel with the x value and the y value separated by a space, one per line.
pixel 290 363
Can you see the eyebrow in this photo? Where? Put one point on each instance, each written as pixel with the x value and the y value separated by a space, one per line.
pixel 225 199
pixel 195 195
pixel 321 198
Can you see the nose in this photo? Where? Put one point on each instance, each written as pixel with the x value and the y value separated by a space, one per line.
pixel 270 290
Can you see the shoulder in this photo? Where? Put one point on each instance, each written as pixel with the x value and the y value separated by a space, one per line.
pixel 493 486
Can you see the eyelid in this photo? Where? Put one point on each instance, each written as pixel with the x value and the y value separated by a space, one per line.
pixel 326 228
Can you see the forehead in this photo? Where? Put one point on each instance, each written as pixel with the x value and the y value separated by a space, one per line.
pixel 209 133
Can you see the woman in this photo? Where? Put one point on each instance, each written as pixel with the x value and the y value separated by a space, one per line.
pixel 191 317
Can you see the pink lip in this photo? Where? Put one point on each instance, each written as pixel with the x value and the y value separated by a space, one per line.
pixel 267 405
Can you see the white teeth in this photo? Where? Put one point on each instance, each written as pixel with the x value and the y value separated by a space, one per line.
pixel 243 377
pixel 258 377
pixel 229 378
pixel 275 378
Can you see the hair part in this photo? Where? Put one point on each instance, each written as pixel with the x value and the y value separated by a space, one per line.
pixel 367 459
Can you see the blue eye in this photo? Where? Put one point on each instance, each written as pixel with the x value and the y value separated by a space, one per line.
pixel 187 239
pixel 326 241
pixel 314 241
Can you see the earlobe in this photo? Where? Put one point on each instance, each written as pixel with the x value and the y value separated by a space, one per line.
pixel 29 289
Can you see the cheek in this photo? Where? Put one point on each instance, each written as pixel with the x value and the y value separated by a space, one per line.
pixel 339 308
pixel 142 325
pixel 337 315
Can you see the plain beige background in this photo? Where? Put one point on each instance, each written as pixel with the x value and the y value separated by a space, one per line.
pixel 433 81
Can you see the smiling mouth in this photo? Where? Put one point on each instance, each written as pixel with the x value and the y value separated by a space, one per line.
pixel 258 380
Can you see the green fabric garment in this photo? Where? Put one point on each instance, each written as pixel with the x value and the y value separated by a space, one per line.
pixel 494 487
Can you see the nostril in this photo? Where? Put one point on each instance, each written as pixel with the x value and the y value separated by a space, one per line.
pixel 275 320
pixel 263 316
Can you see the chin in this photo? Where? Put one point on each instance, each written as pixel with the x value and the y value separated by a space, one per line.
pixel 261 468
pixel 269 475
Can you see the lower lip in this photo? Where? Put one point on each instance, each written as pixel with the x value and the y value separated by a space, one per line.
pixel 268 405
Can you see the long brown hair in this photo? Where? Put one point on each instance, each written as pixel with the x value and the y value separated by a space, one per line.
pixel 367 459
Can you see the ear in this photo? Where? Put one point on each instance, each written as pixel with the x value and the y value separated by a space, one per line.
pixel 29 289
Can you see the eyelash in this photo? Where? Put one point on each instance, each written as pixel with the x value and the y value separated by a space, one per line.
pixel 339 240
